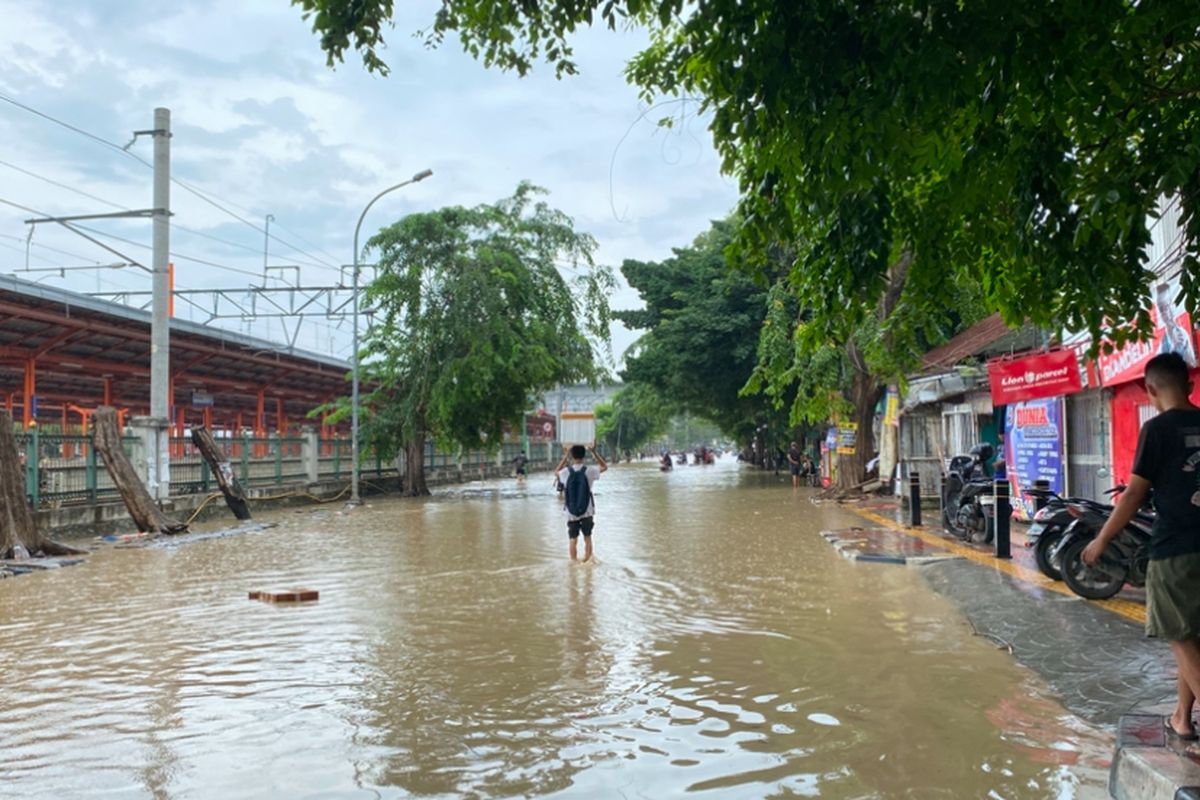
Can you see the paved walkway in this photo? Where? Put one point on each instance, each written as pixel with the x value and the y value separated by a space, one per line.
pixel 1093 653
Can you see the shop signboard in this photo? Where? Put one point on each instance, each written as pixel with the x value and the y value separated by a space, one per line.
pixel 1034 448
pixel 891 407
pixel 1172 334
pixel 847 438
pixel 1051 374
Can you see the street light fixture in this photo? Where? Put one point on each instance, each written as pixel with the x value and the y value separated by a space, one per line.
pixel 354 496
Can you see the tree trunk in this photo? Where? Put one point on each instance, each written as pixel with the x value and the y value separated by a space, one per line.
pixel 222 470
pixel 414 479
pixel 865 393
pixel 146 514
pixel 18 529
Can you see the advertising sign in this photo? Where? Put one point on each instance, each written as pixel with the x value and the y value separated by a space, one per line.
pixel 1043 375
pixel 830 443
pixel 1172 334
pixel 540 425
pixel 891 407
pixel 847 438
pixel 1034 448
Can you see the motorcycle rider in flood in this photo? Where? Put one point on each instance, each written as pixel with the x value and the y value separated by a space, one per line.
pixel 1168 461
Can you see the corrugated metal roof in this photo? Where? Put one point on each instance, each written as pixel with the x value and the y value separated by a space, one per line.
pixel 988 337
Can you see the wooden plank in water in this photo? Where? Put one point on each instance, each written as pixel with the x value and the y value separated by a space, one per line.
pixel 286 595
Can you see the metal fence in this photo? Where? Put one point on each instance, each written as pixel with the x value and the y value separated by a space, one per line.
pixel 65 469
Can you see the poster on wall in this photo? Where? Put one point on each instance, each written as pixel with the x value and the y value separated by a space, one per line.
pixel 847 438
pixel 1033 448
pixel 1172 334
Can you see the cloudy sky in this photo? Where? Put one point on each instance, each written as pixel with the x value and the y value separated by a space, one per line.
pixel 264 127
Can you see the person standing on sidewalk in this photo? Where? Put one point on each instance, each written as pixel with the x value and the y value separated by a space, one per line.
pixel 1168 461
pixel 577 479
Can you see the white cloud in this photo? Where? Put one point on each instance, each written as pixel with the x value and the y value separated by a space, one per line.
pixel 262 123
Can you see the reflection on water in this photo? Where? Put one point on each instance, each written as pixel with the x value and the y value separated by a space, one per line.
pixel 717 646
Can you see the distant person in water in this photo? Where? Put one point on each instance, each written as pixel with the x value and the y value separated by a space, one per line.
pixel 519 464
pixel 577 479
pixel 793 458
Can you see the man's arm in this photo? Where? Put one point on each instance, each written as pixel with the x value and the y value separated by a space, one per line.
pixel 562 462
pixel 599 459
pixel 1131 500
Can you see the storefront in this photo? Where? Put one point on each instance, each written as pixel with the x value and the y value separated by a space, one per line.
pixel 1121 373
pixel 1032 389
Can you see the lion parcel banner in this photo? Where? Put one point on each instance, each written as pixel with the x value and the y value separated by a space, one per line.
pixel 1043 375
pixel 1034 448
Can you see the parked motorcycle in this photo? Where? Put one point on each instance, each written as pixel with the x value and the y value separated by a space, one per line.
pixel 967 502
pixel 1051 522
pixel 1124 561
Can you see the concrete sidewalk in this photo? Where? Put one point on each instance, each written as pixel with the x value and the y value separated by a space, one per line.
pixel 1093 654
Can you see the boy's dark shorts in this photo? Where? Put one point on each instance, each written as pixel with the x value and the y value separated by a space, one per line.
pixel 586 524
pixel 1172 603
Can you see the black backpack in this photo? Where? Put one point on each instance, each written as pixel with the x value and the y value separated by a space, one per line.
pixel 578 491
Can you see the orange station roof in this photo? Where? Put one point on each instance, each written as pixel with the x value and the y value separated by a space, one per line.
pixel 76 342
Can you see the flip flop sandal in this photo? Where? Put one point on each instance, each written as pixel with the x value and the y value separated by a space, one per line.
pixel 1171 732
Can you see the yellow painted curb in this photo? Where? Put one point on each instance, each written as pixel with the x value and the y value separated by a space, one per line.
pixel 1125 608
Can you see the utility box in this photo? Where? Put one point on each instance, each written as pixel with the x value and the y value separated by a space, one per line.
pixel 578 427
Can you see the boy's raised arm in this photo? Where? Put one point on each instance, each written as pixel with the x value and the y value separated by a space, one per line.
pixel 599 459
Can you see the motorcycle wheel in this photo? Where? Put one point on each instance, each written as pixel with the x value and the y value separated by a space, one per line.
pixel 984 536
pixel 1043 552
pixel 1094 583
pixel 951 497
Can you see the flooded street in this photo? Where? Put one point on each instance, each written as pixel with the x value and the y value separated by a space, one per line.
pixel 717 647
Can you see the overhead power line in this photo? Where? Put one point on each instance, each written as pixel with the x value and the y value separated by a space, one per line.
pixel 202 195
pixel 228 242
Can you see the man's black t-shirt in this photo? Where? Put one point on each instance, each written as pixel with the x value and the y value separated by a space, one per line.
pixel 1168 456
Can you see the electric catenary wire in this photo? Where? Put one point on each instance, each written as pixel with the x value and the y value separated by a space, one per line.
pixel 200 194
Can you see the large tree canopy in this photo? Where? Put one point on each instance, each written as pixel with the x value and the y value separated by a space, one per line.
pixel 1025 142
pixel 701 321
pixel 473 315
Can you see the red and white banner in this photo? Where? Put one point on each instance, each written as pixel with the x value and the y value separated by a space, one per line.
pixel 1043 375
pixel 1172 334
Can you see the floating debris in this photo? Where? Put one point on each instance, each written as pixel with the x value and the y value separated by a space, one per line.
pixel 286 596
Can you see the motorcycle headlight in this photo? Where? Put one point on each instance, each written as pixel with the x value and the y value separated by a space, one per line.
pixel 1043 514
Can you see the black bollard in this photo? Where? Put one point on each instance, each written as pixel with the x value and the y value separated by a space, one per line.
pixel 1040 486
pixel 1003 518
pixel 914 497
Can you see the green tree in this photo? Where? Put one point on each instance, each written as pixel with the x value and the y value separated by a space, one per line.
pixel 1026 143
pixel 473 315
pixel 635 417
pixel 701 322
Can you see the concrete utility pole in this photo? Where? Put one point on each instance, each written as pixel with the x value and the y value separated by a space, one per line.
pixel 160 336
pixel 354 495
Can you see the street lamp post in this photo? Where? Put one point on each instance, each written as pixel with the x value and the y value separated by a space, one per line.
pixel 354 496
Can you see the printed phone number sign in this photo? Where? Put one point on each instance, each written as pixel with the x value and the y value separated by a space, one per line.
pixel 1034 448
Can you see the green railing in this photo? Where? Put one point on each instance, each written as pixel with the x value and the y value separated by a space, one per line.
pixel 65 469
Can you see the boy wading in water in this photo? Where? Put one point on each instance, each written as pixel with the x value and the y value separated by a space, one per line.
pixel 1168 461
pixel 577 479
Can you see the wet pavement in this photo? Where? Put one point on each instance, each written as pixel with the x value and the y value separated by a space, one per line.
pixel 718 646
pixel 1093 654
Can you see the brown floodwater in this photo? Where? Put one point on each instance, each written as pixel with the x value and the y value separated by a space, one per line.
pixel 717 647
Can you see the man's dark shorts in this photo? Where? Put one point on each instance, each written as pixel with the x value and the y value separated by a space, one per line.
pixel 586 524
pixel 796 469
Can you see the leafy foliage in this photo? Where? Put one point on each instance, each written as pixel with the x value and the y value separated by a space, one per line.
pixel 473 315
pixel 635 417
pixel 701 321
pixel 1027 144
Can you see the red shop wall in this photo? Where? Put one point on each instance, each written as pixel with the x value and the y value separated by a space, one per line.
pixel 1130 405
